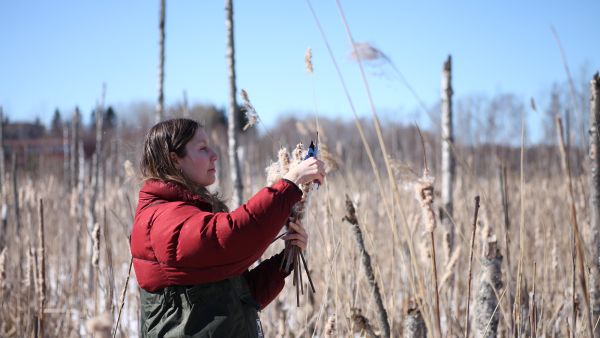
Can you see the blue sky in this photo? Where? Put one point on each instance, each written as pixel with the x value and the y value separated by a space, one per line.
pixel 58 53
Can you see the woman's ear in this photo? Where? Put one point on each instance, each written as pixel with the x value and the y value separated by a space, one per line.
pixel 174 159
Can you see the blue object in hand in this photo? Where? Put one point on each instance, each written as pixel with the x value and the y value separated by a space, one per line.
pixel 312 150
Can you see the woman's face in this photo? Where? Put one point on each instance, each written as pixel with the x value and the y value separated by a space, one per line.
pixel 198 164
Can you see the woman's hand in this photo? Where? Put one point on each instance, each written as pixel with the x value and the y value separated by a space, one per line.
pixel 296 234
pixel 309 170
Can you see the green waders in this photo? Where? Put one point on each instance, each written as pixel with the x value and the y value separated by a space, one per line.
pixel 220 309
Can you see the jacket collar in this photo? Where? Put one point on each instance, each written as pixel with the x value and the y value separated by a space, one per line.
pixel 153 190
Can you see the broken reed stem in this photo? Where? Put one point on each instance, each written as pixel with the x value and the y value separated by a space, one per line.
pixel 366 261
pixel 122 300
pixel 471 265
pixel 41 278
pixel 575 227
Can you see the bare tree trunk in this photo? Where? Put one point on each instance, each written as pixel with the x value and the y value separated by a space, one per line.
pixel 490 282
pixel 160 109
pixel 232 122
pixel 15 189
pixel 594 180
pixel 447 155
pixel 74 169
pixel 97 160
pixel 66 159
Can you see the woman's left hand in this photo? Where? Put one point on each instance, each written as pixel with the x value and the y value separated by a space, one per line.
pixel 296 234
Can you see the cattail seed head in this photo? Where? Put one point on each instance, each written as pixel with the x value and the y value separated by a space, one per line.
pixel 284 160
pixel 100 326
pixel 308 60
pixel 249 111
pixel 424 194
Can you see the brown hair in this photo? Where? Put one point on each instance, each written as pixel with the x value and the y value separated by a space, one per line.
pixel 172 136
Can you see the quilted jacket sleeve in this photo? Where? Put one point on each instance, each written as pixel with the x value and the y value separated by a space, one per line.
pixel 186 236
pixel 266 280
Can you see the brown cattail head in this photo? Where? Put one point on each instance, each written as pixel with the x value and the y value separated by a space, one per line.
pixel 360 322
pixel 308 60
pixel 251 114
pixel 96 245
pixel 424 194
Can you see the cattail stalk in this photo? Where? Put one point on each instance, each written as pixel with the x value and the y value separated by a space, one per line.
pixel 160 104
pixel 471 265
pixel 594 205
pixel 122 300
pixel 41 277
pixel 575 227
pixel 503 183
pixel 232 120
pixel 366 261
pixel 2 162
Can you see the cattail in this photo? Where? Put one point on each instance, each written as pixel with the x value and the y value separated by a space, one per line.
pixel 414 325
pixel 100 326
pixel 330 327
pixel 490 282
pixel 424 192
pixel 366 261
pixel 96 244
pixel 284 160
pixel 361 323
pixel 249 111
pixel 308 60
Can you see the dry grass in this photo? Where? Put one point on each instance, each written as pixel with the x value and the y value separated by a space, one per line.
pixel 403 273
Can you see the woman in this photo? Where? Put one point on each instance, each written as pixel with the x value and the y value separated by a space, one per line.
pixel 191 256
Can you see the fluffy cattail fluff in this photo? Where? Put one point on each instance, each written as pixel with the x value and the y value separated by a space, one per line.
pixel 490 283
pixel 251 114
pixel 424 194
pixel 276 170
pixel 414 325
pixel 308 60
pixel 100 326
pixel 331 164
pixel 330 327
pixel 96 244
pixel 284 160
pixel 361 323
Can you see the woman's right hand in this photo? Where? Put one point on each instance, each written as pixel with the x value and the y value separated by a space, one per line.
pixel 309 170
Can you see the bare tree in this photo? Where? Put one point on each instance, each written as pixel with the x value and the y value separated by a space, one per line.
pixel 232 122
pixel 160 109
pixel 448 162
pixel 594 180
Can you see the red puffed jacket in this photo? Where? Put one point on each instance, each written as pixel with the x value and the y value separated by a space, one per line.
pixel 177 240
